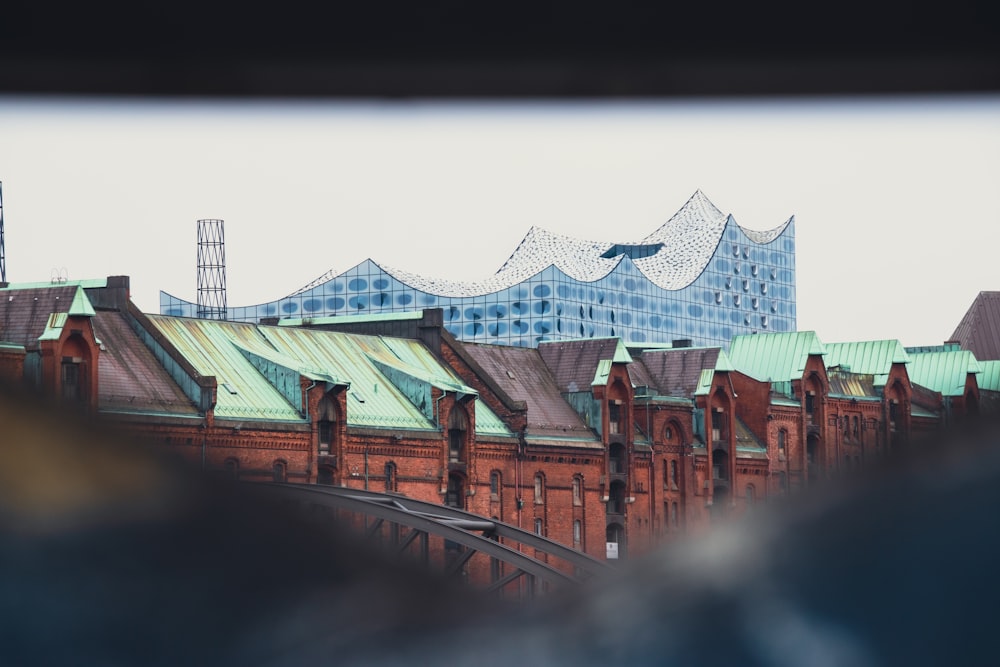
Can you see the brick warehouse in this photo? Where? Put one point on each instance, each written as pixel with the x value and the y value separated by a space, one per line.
pixel 609 448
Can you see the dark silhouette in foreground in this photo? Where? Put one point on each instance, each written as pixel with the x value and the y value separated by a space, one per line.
pixel 114 555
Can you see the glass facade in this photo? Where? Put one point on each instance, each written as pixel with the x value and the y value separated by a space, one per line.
pixel 744 282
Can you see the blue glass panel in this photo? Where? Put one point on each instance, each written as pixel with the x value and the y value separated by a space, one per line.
pixel 428 299
pixel 474 313
pixel 312 305
pixel 629 284
pixel 381 283
pixel 654 321
pixel 626 318
pixel 563 290
pixel 518 308
pixel 404 299
pixel 542 291
pixel 637 337
pixel 269 309
pixel 289 307
pixel 637 302
pixel 474 329
pixel 357 284
pixel 451 313
pixel 338 286
pixel 519 327
pixel 497 328
pixel 381 299
pixel 543 327
pixel 335 303
pixel 496 310
pixel 358 302
pixel 542 307
pixel 695 310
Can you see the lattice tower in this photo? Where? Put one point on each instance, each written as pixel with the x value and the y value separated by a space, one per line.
pixel 211 270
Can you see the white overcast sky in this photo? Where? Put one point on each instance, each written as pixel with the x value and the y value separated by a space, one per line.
pixel 895 199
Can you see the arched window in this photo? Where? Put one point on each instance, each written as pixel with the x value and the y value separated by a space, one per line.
pixel 857 429
pixel 390 476
pixel 279 471
pixel 326 420
pixel 673 475
pixel 232 468
pixel 577 490
pixel 673 515
pixel 616 417
pixel 577 533
pixel 458 428
pixel 495 485
pixel 782 435
pixel 539 489
pixel 539 527
pixel 750 494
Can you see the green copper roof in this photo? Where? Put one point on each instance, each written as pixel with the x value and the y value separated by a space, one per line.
pixel 990 378
pixel 349 319
pixel 774 357
pixel 54 326
pixel 91 283
pixel 704 382
pixel 81 305
pixel 216 349
pixel 872 357
pixel 945 372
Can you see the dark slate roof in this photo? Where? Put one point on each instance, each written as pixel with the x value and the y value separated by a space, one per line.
pixel 979 330
pixel 24 313
pixel 131 379
pixel 676 372
pixel 573 363
pixel 524 376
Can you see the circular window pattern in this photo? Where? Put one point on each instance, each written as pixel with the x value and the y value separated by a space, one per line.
pixel 541 291
pixel 357 285
pixel 358 302
pixel 312 305
pixel 474 329
pixel 404 299
pixel 496 310
pixel 381 283
pixel 289 307
pixel 335 303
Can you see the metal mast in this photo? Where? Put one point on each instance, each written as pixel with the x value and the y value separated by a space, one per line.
pixel 211 270
pixel 3 254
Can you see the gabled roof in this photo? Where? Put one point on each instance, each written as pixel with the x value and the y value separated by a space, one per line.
pixel 944 371
pixel 25 313
pixel 979 330
pixel 774 357
pixel 523 375
pixel 575 363
pixel 874 357
pixel 131 378
pixel 677 372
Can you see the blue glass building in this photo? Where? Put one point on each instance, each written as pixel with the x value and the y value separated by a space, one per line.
pixel 700 276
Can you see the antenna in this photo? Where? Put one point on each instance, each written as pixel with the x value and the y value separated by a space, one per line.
pixel 3 254
pixel 211 270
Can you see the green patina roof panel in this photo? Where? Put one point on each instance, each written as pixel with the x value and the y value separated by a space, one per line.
pixel 373 400
pixel 945 372
pixel 214 349
pixel 990 377
pixel 873 357
pixel 774 356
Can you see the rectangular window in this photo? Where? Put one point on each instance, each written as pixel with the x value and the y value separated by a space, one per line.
pixel 577 491
pixel 577 533
pixel 538 527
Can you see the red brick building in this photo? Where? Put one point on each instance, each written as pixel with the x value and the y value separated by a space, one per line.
pixel 603 447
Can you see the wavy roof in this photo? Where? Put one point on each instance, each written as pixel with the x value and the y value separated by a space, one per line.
pixel 686 243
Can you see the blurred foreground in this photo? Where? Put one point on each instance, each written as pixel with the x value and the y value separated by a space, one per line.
pixel 114 555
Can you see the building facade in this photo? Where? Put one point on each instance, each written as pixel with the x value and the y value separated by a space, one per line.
pixel 606 447
pixel 700 276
